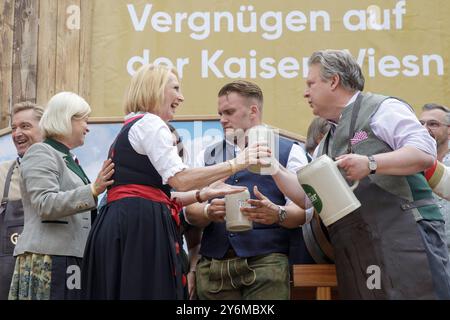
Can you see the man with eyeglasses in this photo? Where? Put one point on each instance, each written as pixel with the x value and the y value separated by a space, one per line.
pixel 436 118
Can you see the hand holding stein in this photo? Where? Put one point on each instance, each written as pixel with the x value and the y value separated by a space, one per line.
pixel 263 136
pixel 327 189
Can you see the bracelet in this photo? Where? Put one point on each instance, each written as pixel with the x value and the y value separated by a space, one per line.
pixel 94 192
pixel 197 196
pixel 233 166
pixel 205 211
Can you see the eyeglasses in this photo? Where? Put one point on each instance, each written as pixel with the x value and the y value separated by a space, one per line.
pixel 432 124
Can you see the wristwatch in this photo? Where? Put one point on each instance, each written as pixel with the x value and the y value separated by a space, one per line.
pixel 281 214
pixel 372 164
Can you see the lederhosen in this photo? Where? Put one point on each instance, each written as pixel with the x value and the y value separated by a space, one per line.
pixel 11 225
pixel 380 239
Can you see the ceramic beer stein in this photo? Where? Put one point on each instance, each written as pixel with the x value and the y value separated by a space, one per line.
pixel 235 220
pixel 262 134
pixel 327 189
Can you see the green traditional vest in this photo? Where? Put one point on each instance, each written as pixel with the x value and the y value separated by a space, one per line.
pixel 411 188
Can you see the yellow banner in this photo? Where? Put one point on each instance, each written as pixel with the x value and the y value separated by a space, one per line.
pixel 403 47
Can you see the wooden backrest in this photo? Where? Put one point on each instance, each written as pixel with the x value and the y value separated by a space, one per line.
pixel 321 276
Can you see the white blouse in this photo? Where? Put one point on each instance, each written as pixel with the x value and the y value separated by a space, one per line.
pixel 151 136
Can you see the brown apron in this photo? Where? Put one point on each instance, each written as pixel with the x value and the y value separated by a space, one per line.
pixel 11 225
pixel 379 252
pixel 381 234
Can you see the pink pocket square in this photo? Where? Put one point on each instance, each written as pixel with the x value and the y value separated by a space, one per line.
pixel 359 136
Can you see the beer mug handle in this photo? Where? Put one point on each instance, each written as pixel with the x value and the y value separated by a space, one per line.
pixel 355 185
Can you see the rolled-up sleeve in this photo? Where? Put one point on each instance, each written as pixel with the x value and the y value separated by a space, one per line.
pixel 396 124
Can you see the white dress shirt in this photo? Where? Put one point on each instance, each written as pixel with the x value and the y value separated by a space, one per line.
pixel 396 124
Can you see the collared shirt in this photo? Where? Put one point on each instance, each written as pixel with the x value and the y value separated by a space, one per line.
pixel 151 136
pixel 396 124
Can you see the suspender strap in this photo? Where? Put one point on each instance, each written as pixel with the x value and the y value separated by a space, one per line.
pixel 351 133
pixel 8 182
pixel 418 204
pixel 355 113
pixel 327 142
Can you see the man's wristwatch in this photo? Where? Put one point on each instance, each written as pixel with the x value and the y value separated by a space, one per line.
pixel 372 164
pixel 282 213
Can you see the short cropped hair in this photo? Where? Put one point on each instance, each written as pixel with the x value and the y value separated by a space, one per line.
pixel 339 62
pixel 435 106
pixel 244 88
pixel 146 90
pixel 28 105
pixel 61 109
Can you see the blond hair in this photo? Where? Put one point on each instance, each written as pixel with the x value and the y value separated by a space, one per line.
pixel 61 109
pixel 146 90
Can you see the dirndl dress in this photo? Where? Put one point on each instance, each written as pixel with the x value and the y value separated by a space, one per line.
pixel 133 252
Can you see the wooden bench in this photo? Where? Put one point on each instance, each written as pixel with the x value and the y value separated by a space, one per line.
pixel 320 276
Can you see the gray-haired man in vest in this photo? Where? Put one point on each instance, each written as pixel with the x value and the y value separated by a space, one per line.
pixel 393 246
pixel 252 264
pixel 25 132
